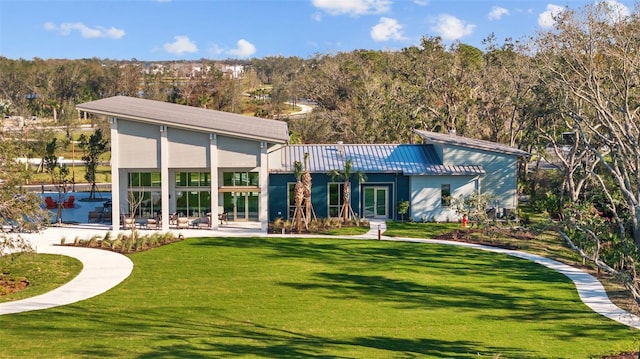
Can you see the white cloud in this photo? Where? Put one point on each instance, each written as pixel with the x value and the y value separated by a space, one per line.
pixel 387 29
pixel 85 31
pixel 244 49
pixel 497 13
pixel 421 2
pixel 451 28
pixel 547 18
pixel 618 11
pixel 181 45
pixel 317 17
pixel 353 7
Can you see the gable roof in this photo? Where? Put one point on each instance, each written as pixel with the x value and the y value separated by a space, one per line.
pixel 188 117
pixel 371 158
pixel 452 139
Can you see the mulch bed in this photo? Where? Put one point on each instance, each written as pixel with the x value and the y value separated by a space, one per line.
pixel 629 355
pixel 10 285
pixel 465 236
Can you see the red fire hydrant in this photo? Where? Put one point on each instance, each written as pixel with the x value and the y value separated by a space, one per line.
pixel 464 221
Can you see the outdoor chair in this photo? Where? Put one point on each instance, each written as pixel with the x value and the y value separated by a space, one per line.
pixel 95 216
pixel 128 223
pixel 69 202
pixel 153 223
pixel 50 203
pixel 203 223
pixel 182 223
pixel 223 217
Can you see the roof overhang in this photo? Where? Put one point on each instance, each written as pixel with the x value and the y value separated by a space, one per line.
pixel 455 140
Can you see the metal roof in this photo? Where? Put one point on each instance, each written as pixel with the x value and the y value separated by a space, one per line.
pixel 453 139
pixel 194 118
pixel 371 158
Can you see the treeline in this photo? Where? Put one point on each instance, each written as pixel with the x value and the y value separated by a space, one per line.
pixel 570 96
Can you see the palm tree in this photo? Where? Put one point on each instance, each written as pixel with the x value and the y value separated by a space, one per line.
pixel 345 174
pixel 306 183
pixel 298 194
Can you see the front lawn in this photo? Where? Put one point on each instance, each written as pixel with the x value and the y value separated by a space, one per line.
pixel 34 274
pixel 297 298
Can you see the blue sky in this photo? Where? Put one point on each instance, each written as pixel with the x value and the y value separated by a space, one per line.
pixel 222 29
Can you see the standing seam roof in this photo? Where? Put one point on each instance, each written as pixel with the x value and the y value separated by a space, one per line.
pixel 377 158
pixel 195 118
pixel 453 139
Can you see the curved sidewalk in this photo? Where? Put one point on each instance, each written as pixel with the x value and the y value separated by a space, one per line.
pixel 590 290
pixel 101 271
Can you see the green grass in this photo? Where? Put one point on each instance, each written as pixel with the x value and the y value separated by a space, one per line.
pixel 303 298
pixel 420 230
pixel 346 231
pixel 43 271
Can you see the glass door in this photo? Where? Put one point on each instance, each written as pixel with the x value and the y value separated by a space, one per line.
pixel 375 202
pixel 241 206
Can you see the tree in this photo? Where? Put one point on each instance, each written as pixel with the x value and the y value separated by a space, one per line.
pixel 473 206
pixel 19 210
pixel 93 147
pixel 345 174
pixel 59 174
pixel 590 61
pixel 306 184
pixel 403 208
pixel 298 194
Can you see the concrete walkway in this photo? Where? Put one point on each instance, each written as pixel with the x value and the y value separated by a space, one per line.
pixel 104 270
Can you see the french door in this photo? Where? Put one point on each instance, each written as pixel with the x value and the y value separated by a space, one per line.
pixel 242 206
pixel 376 202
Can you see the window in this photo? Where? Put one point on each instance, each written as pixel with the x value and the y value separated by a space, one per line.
pixel 193 203
pixel 445 195
pixel 144 201
pixel 193 179
pixel 291 199
pixel 335 199
pixel 240 179
pixel 146 204
pixel 144 179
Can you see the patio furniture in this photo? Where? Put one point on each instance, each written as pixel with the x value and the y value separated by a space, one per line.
pixel 182 223
pixel 153 223
pixel 69 202
pixel 50 203
pixel 223 217
pixel 95 216
pixel 202 223
pixel 128 223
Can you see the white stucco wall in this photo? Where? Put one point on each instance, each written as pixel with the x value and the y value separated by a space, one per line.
pixel 236 152
pixel 425 196
pixel 139 145
pixel 188 149
pixel 501 179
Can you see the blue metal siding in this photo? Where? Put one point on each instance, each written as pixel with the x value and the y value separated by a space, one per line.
pixel 278 194
pixel 397 184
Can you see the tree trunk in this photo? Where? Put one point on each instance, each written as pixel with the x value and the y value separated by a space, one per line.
pixel 346 201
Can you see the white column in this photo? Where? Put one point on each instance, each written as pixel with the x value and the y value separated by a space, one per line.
pixel 213 165
pixel 115 177
pixel 263 208
pixel 164 176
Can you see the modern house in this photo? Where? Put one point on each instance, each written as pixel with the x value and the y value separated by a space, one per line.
pixel 426 175
pixel 174 159
pixel 189 161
